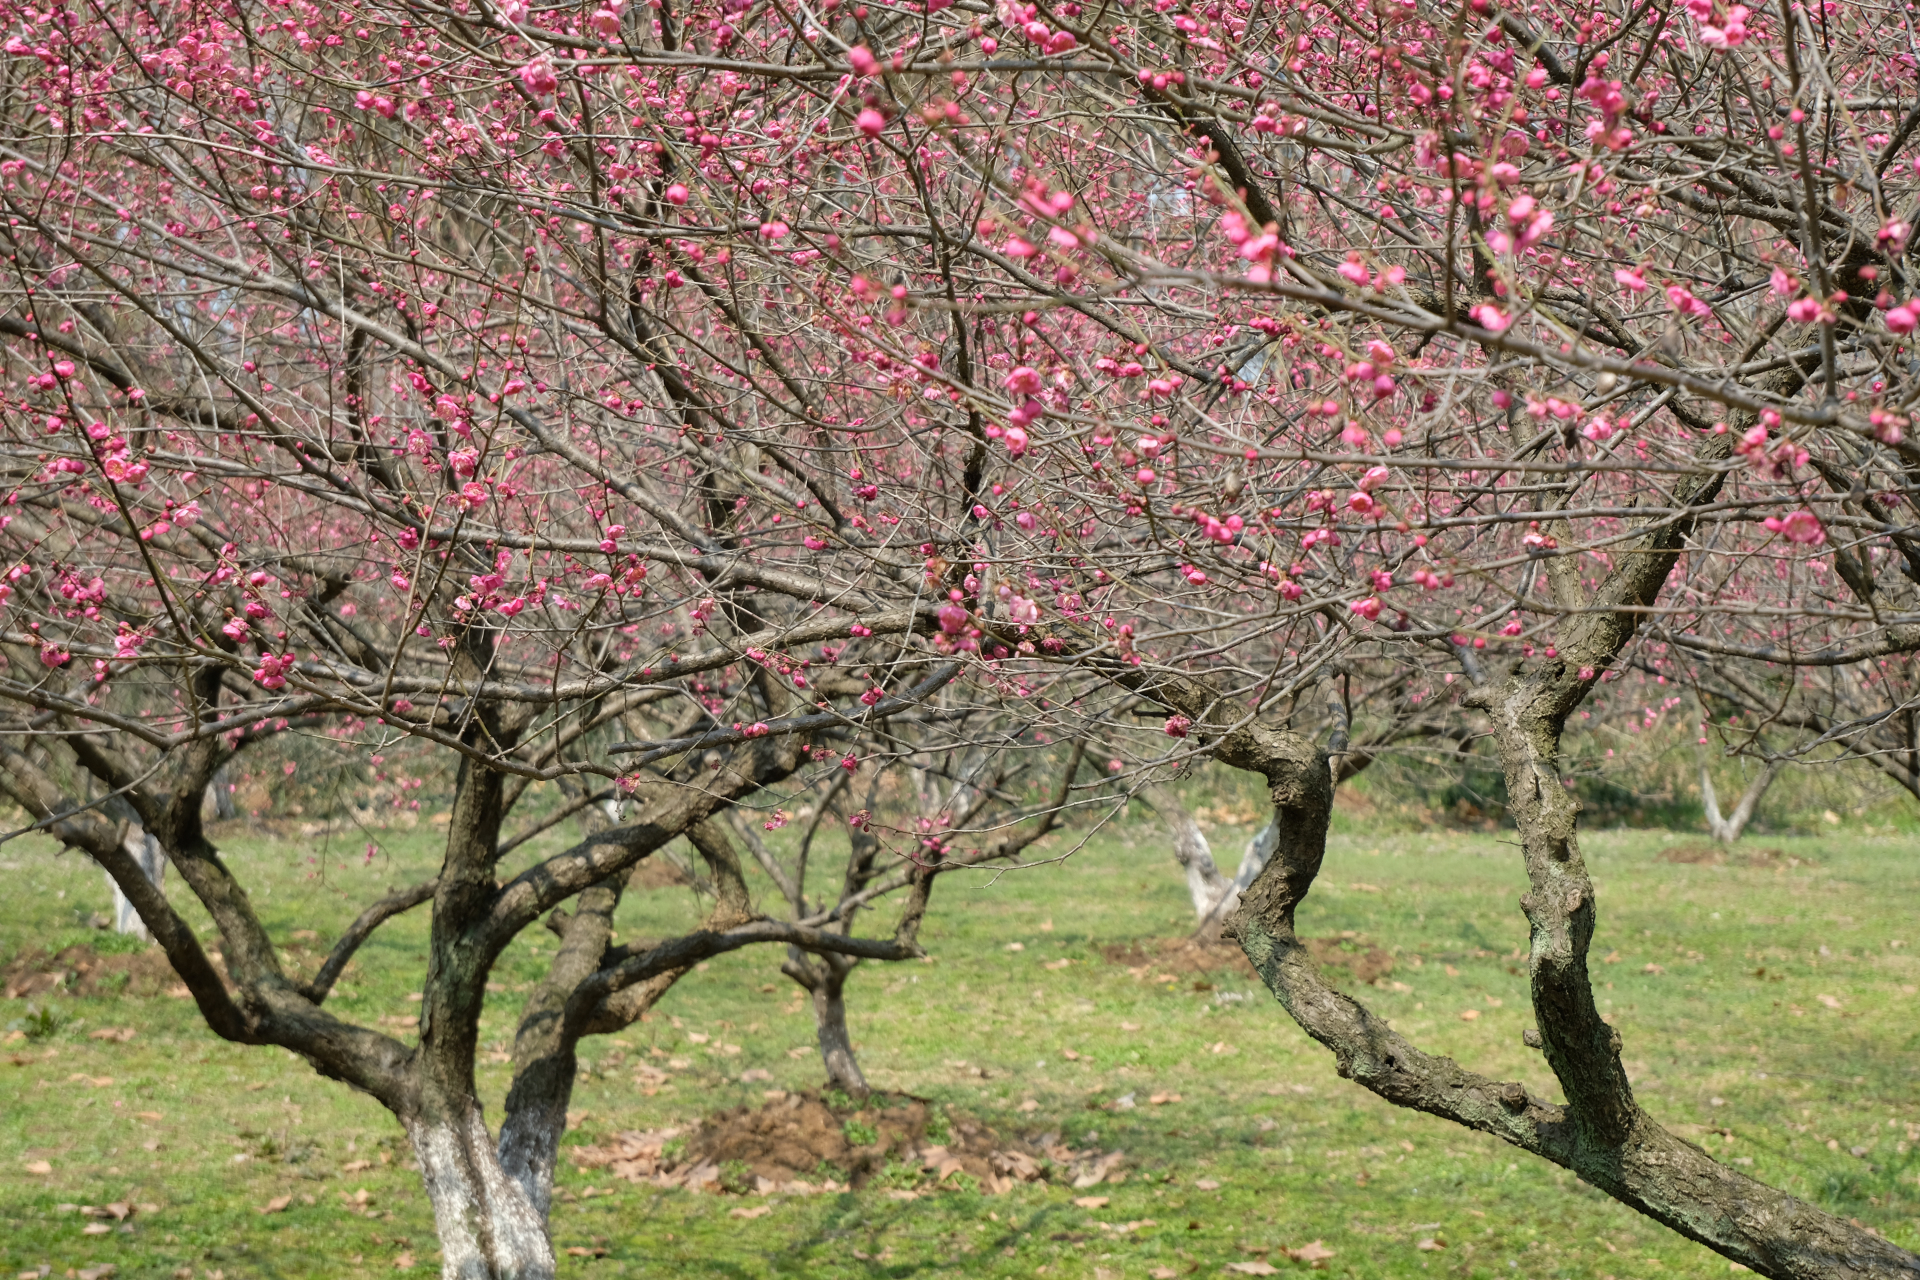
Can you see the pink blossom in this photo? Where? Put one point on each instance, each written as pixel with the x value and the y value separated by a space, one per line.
pixel 1799 526
pixel 539 78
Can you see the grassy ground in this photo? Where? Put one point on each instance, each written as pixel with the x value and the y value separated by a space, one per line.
pixel 1768 1012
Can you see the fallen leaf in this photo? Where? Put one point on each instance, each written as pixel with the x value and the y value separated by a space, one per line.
pixel 1163 1273
pixel 1028 1105
pixel 1468 1015
pixel 1070 1055
pixel 1312 1252
pixel 1828 1001
pixel 1091 1202
pixel 119 1035
pixel 753 1074
pixel 582 1251
pixel 95 1229
pixel 1254 1267
pixel 355 1166
pixel 146 1115
pixel 403 1263
pixel 800 1051
pixel 1016 946
pixel 698 1037
pixel 1431 1243
pixel 757 1211
pixel 276 1205
pixel 1206 1184
pixel 1162 1099
pixel 1129 1026
pixel 40 1167
pixel 1653 968
pixel 1057 964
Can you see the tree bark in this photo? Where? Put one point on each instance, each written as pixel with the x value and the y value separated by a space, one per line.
pixel 830 1021
pixel 489 1229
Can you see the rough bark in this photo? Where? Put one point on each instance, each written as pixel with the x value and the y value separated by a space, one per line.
pixel 830 1021
pixel 488 1227
pixel 1727 829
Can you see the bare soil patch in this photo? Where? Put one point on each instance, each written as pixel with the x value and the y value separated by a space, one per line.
pixel 1707 853
pixel 811 1142
pixel 1155 959
pixel 82 971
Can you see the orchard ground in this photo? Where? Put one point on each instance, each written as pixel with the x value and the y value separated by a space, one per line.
pixel 1768 1012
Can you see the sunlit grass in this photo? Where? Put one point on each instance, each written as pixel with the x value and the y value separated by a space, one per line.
pixel 1804 1069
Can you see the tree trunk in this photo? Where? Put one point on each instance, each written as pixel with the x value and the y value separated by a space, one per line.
pixel 145 851
pixel 830 1022
pixel 1205 885
pixel 1600 1135
pixel 217 803
pixel 1726 830
pixel 488 1228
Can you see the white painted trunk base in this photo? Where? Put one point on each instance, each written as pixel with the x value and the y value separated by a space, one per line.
pixel 488 1228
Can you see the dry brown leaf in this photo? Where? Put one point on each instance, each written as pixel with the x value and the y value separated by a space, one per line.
pixel 1028 1105
pixel 40 1167
pixel 95 1229
pixel 1254 1267
pixel 1091 1202
pixel 1162 1099
pixel 146 1115
pixel 276 1205
pixel 1468 1015
pixel 1313 1252
pixel 1431 1243
pixel 1206 1184
pixel 403 1263
pixel 1163 1273
pixel 756 1211
pixel 118 1035
pixel 355 1166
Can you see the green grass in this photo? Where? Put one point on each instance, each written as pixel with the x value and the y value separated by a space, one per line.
pixel 1756 1066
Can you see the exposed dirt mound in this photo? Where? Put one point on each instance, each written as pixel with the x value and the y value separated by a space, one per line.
pixel 1156 959
pixel 82 971
pixel 807 1142
pixel 1706 853
pixel 1354 953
